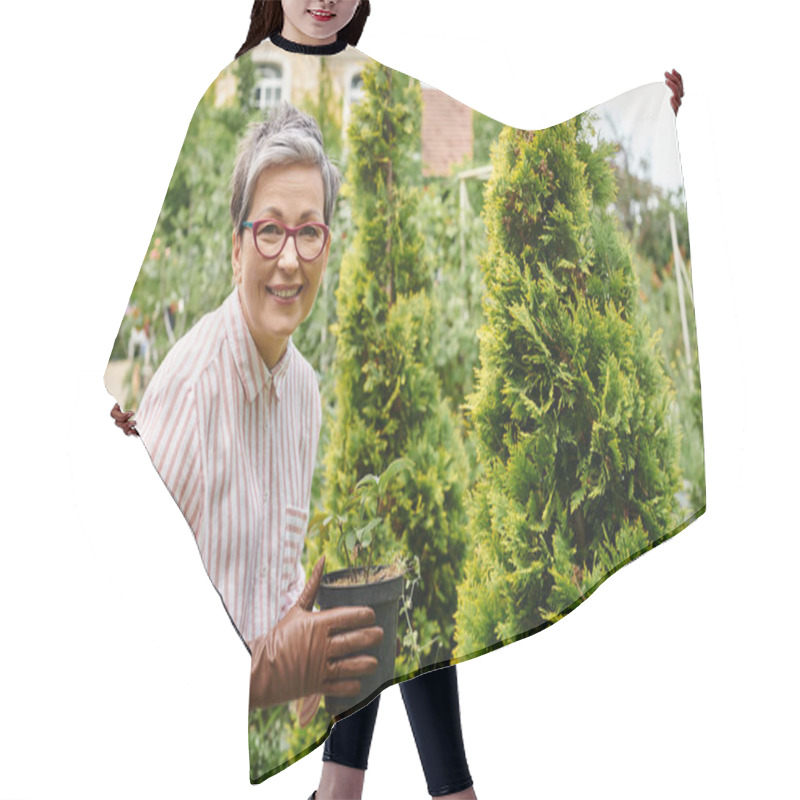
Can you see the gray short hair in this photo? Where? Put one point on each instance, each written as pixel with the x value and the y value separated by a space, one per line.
pixel 287 136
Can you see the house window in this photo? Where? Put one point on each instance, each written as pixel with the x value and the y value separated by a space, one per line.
pixel 269 86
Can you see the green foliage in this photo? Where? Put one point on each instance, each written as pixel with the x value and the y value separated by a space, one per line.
pixel 357 525
pixel 188 263
pixel 571 409
pixel 314 338
pixel 643 210
pixel 485 132
pixel 246 75
pixel 268 739
pixel 389 402
pixel 326 108
pixel 658 300
pixel 457 284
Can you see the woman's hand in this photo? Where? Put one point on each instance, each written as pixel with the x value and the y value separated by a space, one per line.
pixel 309 653
pixel 122 419
pixel 675 82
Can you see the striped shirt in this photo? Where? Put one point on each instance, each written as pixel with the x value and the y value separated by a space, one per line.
pixel 235 445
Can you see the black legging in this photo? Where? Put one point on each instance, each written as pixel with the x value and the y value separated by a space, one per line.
pixel 432 706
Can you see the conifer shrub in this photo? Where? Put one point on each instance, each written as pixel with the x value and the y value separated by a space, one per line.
pixel 571 407
pixel 388 398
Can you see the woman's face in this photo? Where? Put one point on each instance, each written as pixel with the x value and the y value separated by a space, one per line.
pixel 316 21
pixel 292 195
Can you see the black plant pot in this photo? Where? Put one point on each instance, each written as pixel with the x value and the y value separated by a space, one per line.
pixel 382 597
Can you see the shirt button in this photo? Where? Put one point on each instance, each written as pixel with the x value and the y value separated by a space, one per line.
pixel 266 497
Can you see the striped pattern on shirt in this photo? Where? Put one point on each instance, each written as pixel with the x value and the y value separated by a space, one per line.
pixel 235 445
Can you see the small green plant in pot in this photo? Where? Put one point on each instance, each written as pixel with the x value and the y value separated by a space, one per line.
pixel 362 529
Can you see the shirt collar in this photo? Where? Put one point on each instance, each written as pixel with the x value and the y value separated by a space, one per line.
pixel 252 370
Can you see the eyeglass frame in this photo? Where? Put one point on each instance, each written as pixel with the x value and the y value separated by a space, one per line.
pixel 289 230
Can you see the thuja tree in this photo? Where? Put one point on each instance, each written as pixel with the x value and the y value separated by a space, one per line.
pixel 571 407
pixel 388 398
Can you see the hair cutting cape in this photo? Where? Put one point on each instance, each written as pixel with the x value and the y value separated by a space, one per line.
pixel 504 339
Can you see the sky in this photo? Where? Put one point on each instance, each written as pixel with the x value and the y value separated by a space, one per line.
pixel 644 118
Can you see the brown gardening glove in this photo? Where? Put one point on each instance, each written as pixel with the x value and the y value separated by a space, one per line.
pixel 308 654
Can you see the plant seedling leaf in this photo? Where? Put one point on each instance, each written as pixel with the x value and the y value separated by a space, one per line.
pixel 365 533
pixel 392 470
pixel 365 480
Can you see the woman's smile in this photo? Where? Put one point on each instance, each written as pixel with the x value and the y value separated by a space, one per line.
pixel 285 295
pixel 320 15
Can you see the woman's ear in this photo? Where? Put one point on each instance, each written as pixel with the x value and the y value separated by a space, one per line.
pixel 236 255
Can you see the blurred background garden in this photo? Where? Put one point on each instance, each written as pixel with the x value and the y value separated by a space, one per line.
pixel 510 310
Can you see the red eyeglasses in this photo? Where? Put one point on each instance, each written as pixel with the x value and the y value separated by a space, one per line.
pixel 270 236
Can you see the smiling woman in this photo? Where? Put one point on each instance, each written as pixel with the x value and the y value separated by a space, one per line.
pixel 231 420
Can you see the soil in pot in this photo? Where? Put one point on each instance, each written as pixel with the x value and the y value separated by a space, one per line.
pixel 382 596
pixel 376 575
